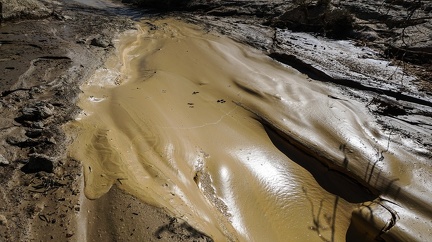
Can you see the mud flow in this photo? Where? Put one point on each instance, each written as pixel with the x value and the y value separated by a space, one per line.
pixel 240 146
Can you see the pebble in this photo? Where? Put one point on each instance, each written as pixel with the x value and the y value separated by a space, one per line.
pixel 37 125
pixel 3 220
pixel 100 42
pixel 3 161
pixel 37 112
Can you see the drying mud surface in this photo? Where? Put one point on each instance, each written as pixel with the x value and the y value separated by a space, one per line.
pixel 226 122
pixel 243 147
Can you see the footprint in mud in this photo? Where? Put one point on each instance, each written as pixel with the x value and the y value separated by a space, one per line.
pixel 191 105
pixel 221 101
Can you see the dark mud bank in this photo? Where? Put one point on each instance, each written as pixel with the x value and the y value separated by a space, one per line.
pixel 46 53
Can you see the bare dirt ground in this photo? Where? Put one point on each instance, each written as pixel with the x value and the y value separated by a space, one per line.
pixel 43 61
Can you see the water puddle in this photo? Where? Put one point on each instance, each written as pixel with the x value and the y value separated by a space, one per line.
pixel 229 140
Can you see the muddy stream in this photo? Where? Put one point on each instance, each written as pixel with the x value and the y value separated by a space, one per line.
pixel 238 145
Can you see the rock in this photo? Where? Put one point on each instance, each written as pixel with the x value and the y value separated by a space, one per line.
pixel 51 140
pixel 3 162
pixel 16 137
pixel 13 9
pixel 367 35
pixel 320 18
pixel 81 41
pixel 100 42
pixel 3 220
pixel 21 140
pixel 37 112
pixel 39 207
pixel 39 162
pixel 38 125
pixel 34 133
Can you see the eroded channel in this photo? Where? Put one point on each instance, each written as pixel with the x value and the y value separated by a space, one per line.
pixel 237 144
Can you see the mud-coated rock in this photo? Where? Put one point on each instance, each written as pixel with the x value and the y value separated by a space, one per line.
pixel 34 133
pixel 320 18
pixel 3 161
pixel 39 162
pixel 12 9
pixel 16 137
pixel 100 42
pixel 37 112
pixel 3 220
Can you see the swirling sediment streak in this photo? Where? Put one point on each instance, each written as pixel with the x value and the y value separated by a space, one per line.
pixel 238 145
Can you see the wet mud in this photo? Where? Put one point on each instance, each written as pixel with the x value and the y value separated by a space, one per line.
pixel 243 147
pixel 43 61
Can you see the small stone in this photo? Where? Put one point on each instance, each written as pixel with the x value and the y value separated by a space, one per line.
pixel 37 125
pixel 51 140
pixel 81 41
pixel 3 161
pixel 3 220
pixel 38 208
pixel 100 42
pixel 37 112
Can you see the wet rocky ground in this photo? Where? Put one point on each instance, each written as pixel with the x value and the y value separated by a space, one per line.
pixel 45 54
pixel 382 57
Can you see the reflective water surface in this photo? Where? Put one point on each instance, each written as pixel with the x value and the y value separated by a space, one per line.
pixel 238 145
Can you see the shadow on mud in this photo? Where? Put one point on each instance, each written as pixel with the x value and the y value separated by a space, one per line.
pixel 319 75
pixel 333 181
pixel 361 230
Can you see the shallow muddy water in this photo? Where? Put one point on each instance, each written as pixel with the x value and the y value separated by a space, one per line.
pixel 238 145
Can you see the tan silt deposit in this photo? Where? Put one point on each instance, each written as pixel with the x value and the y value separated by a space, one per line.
pixel 238 145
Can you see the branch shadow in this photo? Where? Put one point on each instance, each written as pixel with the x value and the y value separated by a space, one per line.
pixel 333 181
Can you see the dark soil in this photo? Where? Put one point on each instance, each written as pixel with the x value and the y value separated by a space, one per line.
pixel 42 64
